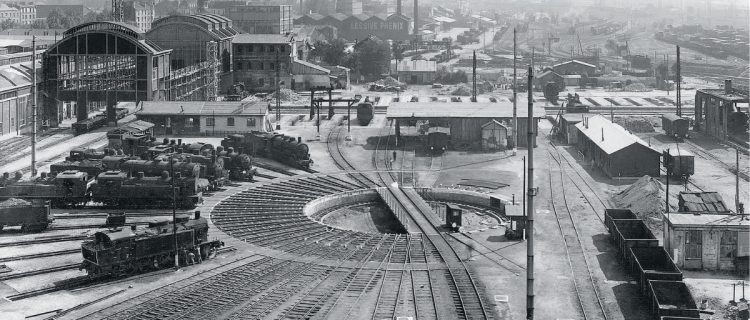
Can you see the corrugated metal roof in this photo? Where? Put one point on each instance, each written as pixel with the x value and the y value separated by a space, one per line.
pixel 705 220
pixel 615 137
pixel 576 62
pixel 203 108
pixel 500 109
pixel 701 202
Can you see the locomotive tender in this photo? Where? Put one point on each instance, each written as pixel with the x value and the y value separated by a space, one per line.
pixel 31 216
pixel 128 251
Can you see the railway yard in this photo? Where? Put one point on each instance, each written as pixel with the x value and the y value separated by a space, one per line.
pixel 329 242
pixel 399 202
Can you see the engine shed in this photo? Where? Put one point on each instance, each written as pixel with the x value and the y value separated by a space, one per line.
pixel 722 113
pixel 465 120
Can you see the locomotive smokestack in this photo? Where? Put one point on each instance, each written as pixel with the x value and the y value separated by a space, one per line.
pixel 197 214
pixel 179 141
pixel 132 228
pixel 398 7
pixel 299 139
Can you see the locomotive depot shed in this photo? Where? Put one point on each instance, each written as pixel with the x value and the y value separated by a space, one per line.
pixel 616 151
pixel 465 119
pixel 205 117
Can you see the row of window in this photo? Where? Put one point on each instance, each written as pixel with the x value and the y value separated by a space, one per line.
pixel 250 48
pixel 694 245
pixel 211 122
pixel 259 65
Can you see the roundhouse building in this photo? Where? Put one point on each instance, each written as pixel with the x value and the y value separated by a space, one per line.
pixel 616 151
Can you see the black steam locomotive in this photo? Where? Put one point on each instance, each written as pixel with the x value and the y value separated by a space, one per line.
pixel 117 188
pixel 277 146
pixel 129 251
pixel 97 121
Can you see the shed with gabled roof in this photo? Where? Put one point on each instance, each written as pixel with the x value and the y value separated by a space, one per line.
pixel 617 152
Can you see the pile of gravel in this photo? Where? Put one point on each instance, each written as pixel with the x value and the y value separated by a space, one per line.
pixel 14 202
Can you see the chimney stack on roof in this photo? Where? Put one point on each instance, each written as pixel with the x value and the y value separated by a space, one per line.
pixel 727 86
pixel 398 7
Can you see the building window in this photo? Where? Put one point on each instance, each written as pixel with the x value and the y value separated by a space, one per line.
pixel 728 245
pixel 693 244
pixel 230 122
pixel 260 81
pixel 210 122
pixel 251 122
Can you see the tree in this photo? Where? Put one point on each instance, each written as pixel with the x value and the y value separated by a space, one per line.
pixel 372 57
pixel 331 53
pixel 7 24
pixel 58 19
pixel 551 92
pixel 104 15
pixel 39 24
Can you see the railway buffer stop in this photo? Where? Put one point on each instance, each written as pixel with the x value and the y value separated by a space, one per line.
pixel 463 120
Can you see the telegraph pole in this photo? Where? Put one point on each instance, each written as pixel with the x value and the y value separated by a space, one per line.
pixel 174 213
pixel 474 77
pixel 677 82
pixel 33 107
pixel 530 210
pixel 514 136
pixel 278 92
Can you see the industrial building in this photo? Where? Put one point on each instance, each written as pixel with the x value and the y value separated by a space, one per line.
pixel 414 71
pixel 139 14
pixel 548 76
pixel 574 67
pixel 722 113
pixel 217 118
pixel 617 152
pixel 255 58
pixel 708 241
pixel 260 19
pixel 568 130
pixel 15 98
pixel 464 119
pixel 361 26
pixel 97 64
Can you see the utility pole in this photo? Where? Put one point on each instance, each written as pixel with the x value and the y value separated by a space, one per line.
pixel 523 197
pixel 737 204
pixel 530 209
pixel 474 77
pixel 33 107
pixel 174 213
pixel 514 136
pixel 278 92
pixel 677 82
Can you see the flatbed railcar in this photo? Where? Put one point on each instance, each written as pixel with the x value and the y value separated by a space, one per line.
pixel 32 216
pixel 129 251
pixel 632 233
pixel 96 121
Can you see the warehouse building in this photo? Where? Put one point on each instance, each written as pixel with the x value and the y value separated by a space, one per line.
pixel 722 113
pixel 215 118
pixel 617 152
pixel 414 71
pixel 465 120
pixel 574 67
pixel 708 241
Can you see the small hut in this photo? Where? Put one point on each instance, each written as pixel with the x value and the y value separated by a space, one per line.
pixel 494 136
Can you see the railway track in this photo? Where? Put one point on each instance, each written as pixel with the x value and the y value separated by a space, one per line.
pixel 40 271
pixel 588 296
pixel 40 255
pixel 43 240
pixel 699 151
pixel 334 149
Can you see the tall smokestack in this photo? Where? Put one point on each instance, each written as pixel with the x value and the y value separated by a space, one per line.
pixel 416 17
pixel 398 7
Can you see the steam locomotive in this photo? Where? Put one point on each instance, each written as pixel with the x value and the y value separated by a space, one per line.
pixel 67 188
pixel 277 146
pixel 116 188
pixel 128 251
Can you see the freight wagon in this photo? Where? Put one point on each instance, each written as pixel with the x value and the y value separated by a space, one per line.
pixel 671 298
pixel 616 214
pixel 679 163
pixel 675 126
pixel 632 233
pixel 31 216
pixel 653 263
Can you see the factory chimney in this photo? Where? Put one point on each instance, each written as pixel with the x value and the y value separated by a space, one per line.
pixel 398 7
pixel 727 86
pixel 416 17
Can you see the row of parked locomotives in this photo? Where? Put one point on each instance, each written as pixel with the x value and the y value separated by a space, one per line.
pixel 110 188
pixel 659 279
pixel 279 147
pixel 129 250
